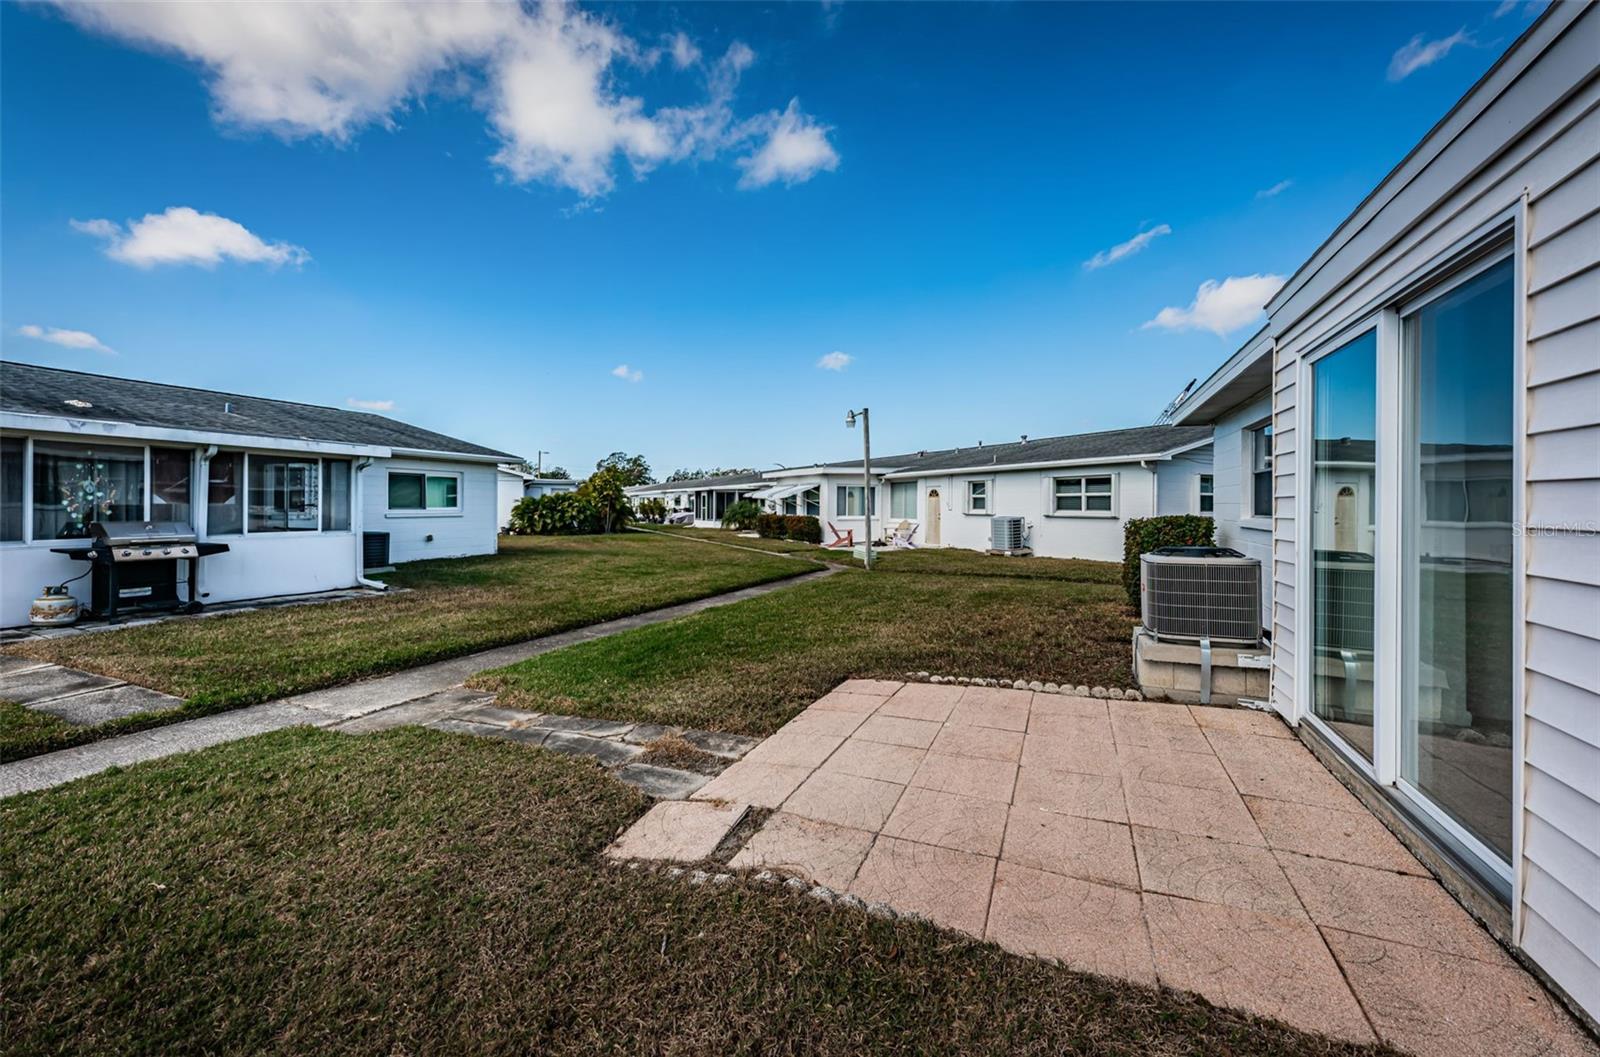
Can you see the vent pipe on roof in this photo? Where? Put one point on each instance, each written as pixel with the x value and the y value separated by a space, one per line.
pixel 227 407
pixel 1024 438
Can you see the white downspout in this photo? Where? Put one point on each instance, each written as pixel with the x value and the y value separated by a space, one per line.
pixel 1155 495
pixel 358 517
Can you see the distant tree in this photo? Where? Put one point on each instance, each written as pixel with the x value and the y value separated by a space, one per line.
pixel 686 474
pixel 631 469
pixel 554 473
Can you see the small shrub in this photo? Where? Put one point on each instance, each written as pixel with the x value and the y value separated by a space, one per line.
pixel 769 526
pixel 804 528
pixel 651 510
pixel 742 515
pixel 1145 534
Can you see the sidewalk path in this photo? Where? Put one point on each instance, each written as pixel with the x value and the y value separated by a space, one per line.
pixel 324 708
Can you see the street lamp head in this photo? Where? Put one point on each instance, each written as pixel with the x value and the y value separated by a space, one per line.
pixel 850 419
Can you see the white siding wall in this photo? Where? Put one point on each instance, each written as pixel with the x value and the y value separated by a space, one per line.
pixel 1177 482
pixel 1236 528
pixel 1028 493
pixel 471 530
pixel 508 491
pixel 1540 132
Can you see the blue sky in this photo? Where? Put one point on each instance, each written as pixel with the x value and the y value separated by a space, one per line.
pixel 647 228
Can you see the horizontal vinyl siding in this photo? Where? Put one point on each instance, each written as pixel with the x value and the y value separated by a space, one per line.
pixel 1537 130
pixel 1561 733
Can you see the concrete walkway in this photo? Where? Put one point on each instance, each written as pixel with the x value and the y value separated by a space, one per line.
pixel 337 705
pixel 1201 848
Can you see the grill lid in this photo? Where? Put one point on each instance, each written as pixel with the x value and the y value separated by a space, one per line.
pixel 121 533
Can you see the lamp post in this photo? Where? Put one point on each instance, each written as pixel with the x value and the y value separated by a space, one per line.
pixel 538 469
pixel 866 470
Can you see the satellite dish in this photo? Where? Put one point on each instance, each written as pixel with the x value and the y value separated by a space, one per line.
pixel 1165 418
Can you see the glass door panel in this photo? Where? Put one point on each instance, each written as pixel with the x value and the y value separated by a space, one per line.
pixel 1343 479
pixel 1456 699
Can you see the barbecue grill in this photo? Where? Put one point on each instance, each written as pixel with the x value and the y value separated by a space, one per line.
pixel 136 565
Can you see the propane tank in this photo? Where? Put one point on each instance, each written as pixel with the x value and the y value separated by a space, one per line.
pixel 54 608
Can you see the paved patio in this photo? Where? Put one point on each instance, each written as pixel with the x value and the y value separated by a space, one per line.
pixel 1201 848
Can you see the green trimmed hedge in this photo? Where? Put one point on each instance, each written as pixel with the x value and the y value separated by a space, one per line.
pixel 800 528
pixel 1145 534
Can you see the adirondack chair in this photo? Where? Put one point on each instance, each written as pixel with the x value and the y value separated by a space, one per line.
pixel 841 540
pixel 904 537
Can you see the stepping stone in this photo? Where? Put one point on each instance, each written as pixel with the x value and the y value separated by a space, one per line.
pixel 98 706
pixel 501 717
pixel 594 728
pixel 645 733
pixel 685 830
pixel 457 725
pixel 607 752
pixel 728 746
pixel 10 664
pixel 662 783
pixel 52 681
pixel 442 705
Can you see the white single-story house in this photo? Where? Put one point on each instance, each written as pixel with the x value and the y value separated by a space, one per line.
pixel 291 489
pixel 1074 493
pixel 1413 441
pixel 707 498
pixel 514 485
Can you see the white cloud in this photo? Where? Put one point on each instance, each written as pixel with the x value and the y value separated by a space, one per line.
pixel 182 235
pixel 1221 308
pixel 1505 8
pixel 1419 52
pixel 626 373
pixel 796 149
pixel 835 361
pixel 371 405
pixel 685 54
pixel 1275 190
pixel 547 77
pixel 1126 249
pixel 67 339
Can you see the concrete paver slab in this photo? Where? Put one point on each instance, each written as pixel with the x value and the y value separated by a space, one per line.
pixel 51 681
pixel 1061 753
pixel 1198 812
pixel 1399 907
pixel 1087 926
pixel 841 701
pixel 609 752
pixel 1214 871
pixel 1193 769
pixel 962 823
pixel 1162 735
pixel 662 783
pixel 1071 726
pixel 967 776
pixel 949 888
pixel 875 759
pixel 876 687
pixel 1273 967
pixel 1436 1005
pixel 794 750
pixel 893 730
pixel 684 830
pixel 829 721
pixel 1329 833
pixel 1241 721
pixel 751 782
pixel 989 743
pixel 1086 848
pixel 1050 706
pixel 844 799
pixel 1067 793
pixel 987 707
pixel 922 701
pixel 803 847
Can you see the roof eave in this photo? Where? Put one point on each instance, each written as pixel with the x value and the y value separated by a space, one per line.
pixel 112 430
pixel 1114 460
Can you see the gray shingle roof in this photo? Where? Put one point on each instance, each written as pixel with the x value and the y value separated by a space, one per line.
pixel 730 481
pixel 1110 446
pixel 28 389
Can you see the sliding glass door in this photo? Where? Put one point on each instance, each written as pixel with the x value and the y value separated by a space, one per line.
pixel 1411 551
pixel 1456 694
pixel 1344 436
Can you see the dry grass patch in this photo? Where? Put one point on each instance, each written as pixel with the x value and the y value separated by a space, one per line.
pixel 747 668
pixel 535 586
pixel 420 893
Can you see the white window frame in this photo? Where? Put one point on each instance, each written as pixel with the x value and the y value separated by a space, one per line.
pixel 423 472
pixel 1201 482
pixel 906 487
pixel 841 500
pixel 1054 495
pixel 987 484
pixel 1259 436
pixel 1484 248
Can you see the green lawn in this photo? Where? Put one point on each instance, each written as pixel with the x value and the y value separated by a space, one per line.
pixel 748 667
pixel 534 586
pixel 414 892
pixel 717 535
